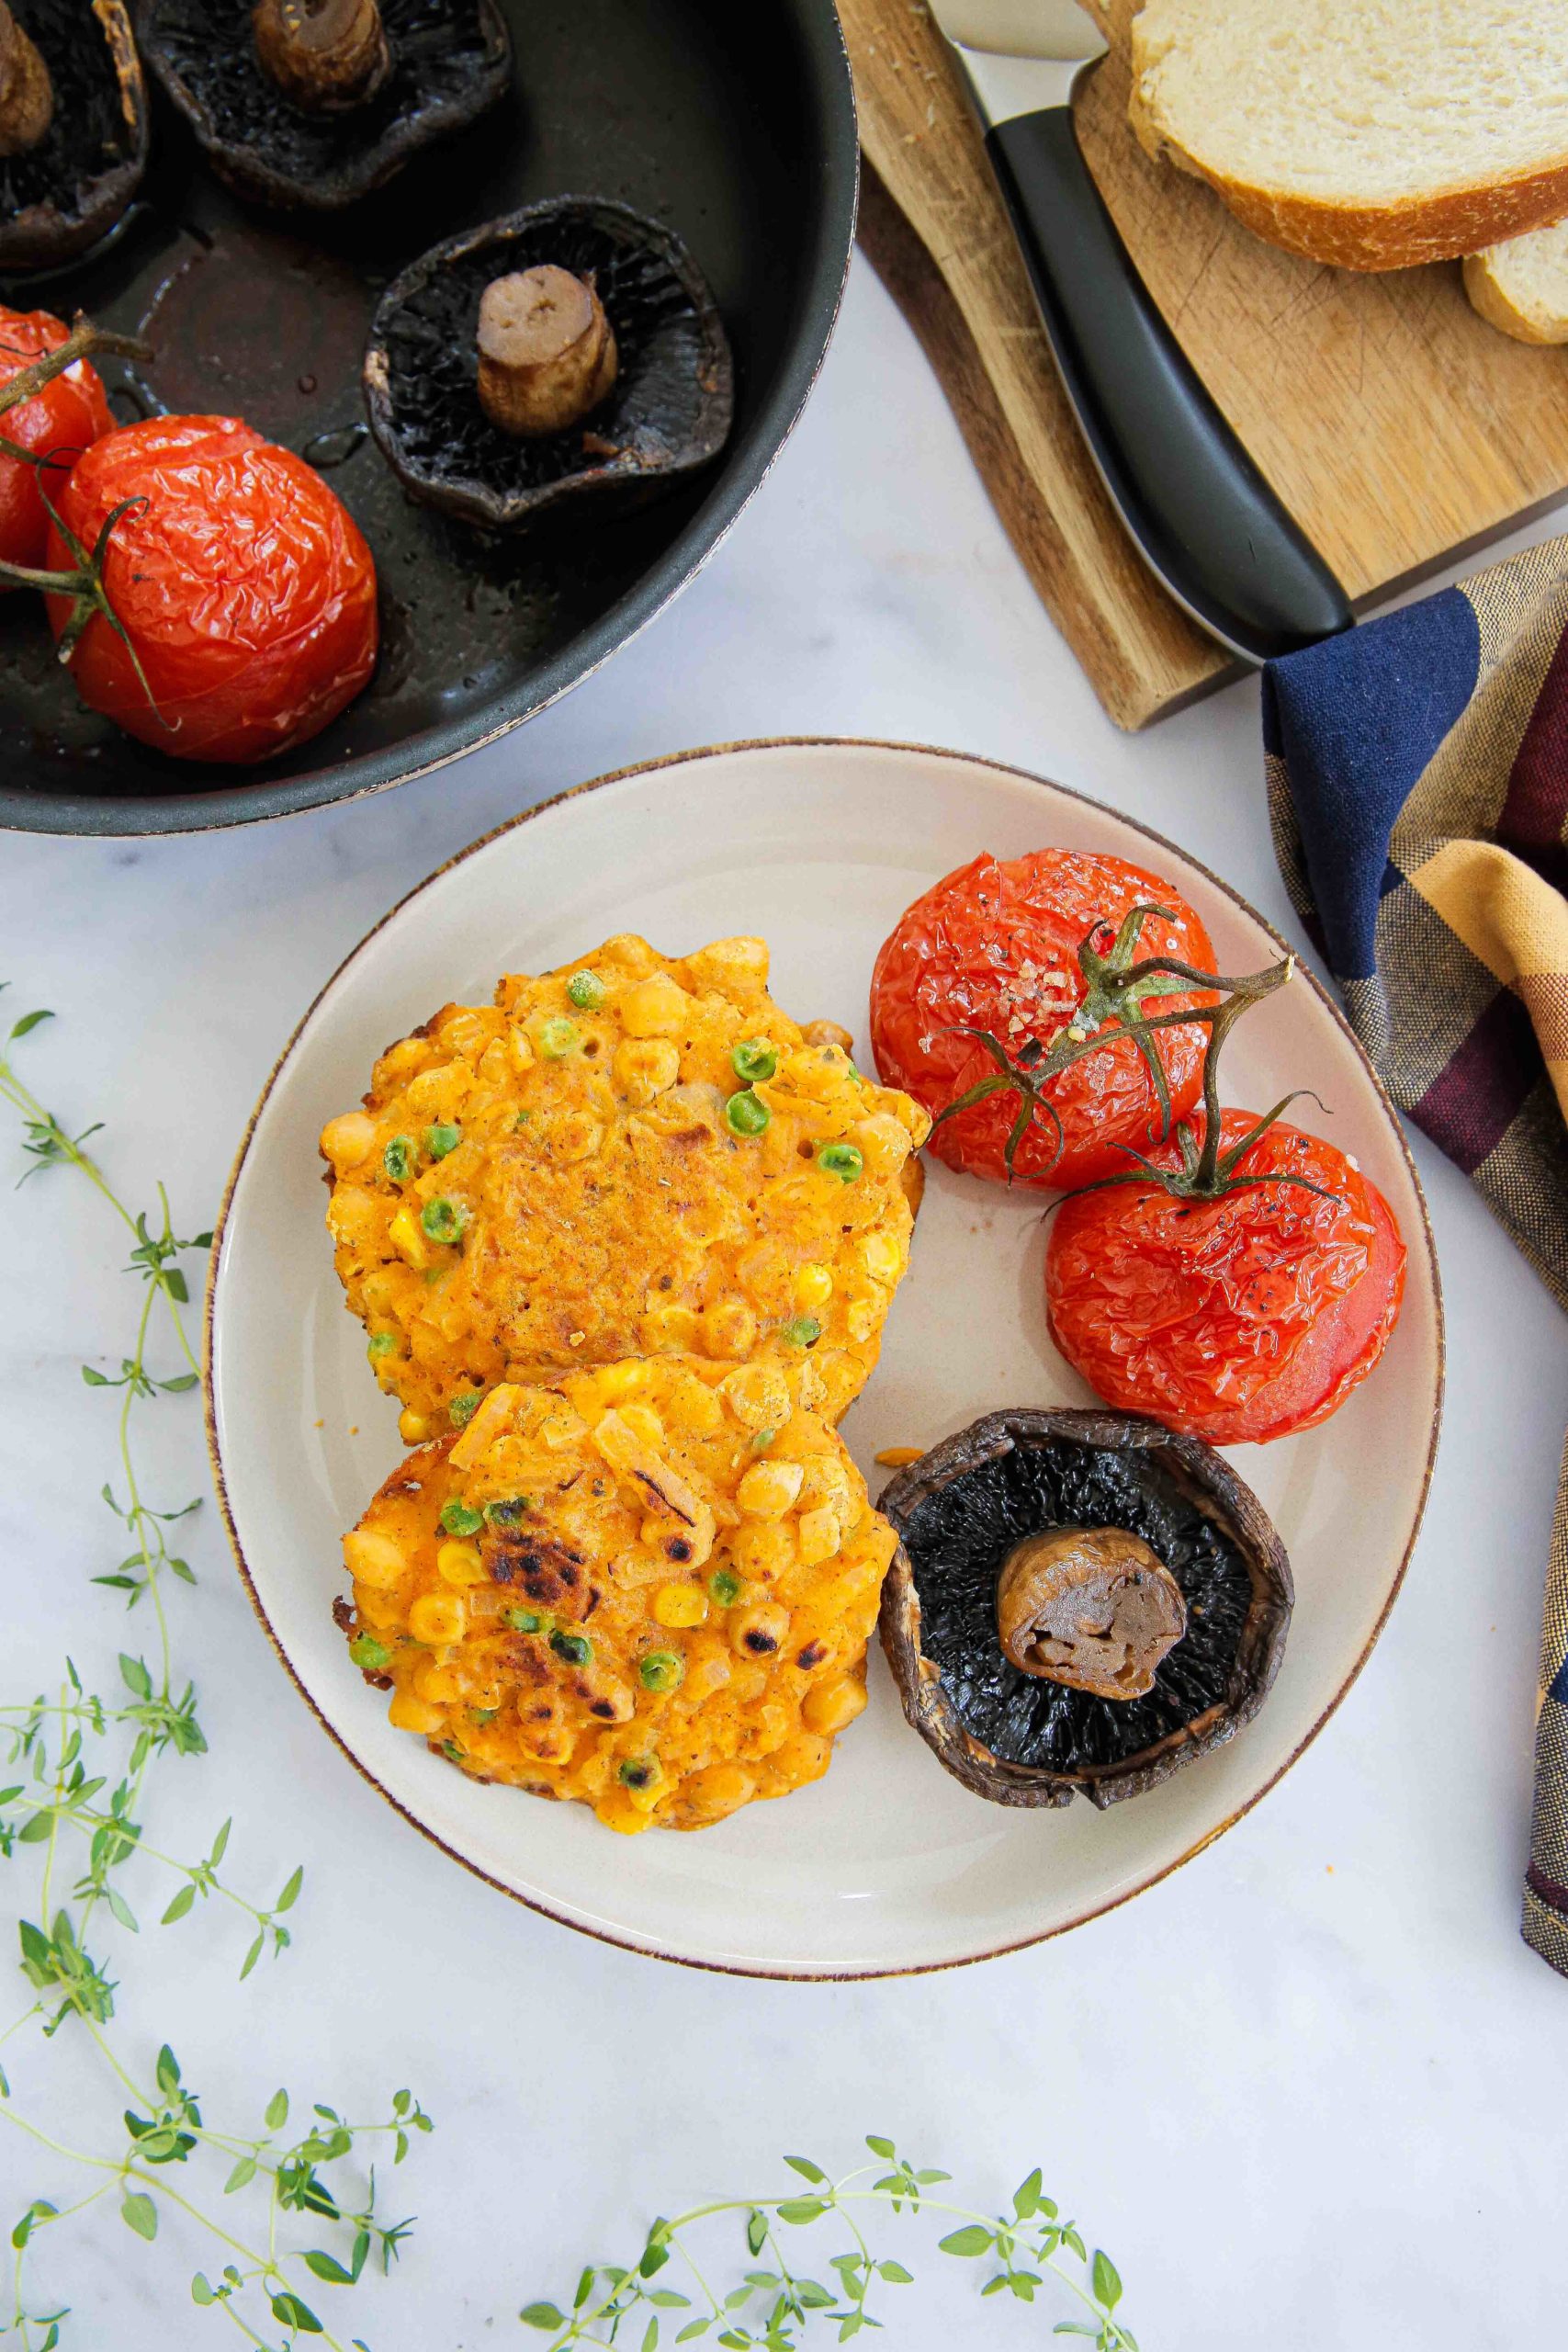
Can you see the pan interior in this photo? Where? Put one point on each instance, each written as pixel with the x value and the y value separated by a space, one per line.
pixel 733 127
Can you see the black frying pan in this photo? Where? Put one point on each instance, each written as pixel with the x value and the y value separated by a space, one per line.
pixel 734 124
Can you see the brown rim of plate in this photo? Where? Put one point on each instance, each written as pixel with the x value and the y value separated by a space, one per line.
pixel 917 750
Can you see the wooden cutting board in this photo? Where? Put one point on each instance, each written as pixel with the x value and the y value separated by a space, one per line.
pixel 1398 427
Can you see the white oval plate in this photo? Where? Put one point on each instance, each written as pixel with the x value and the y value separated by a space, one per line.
pixel 887 1865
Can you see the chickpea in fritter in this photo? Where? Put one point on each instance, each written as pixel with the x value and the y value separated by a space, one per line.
pixel 633 1155
pixel 620 1591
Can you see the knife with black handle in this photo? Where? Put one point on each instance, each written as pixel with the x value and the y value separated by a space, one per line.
pixel 1196 505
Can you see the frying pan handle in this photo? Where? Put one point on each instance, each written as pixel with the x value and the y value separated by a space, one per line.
pixel 1200 511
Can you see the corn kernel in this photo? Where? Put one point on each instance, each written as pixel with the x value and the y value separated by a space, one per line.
pixel 693 1406
pixel 374 1559
pixel 761 1549
pixel 645 1066
pixel 724 961
pixel 617 1699
pixel 657 1007
pixel 408 1714
pixel 818 1535
pixel 758 1396
pixel 728 1329
pixel 813 1286
pixel 466 1031
pixel 437 1683
pixel 718 1790
pixel 348 1140
pixel 668 1329
pixel 680 1604
pixel 616 1381
pixel 883 1143
pixel 353 1216
pixel 575 1136
pixel 760 1633
pixel 461 1564
pixel 407 1240
pixel 432 1094
pixel 623 1811
pixel 382 1609
pixel 438 1619
pixel 393 1068
pixel 383 1290
pixel 769 1488
pixel 412 1428
pixel 644 1423
pixel 881 1256
pixel 835 1705
pixel 862 1316
pixel 805 1758
pixel 646 1801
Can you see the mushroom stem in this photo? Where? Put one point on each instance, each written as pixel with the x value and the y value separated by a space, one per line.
pixel 26 94
pixel 326 56
pixel 547 352
pixel 1090 1607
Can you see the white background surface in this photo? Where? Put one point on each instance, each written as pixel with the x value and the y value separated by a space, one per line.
pixel 1308 2092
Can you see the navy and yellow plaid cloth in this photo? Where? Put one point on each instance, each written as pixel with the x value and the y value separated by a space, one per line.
pixel 1418 790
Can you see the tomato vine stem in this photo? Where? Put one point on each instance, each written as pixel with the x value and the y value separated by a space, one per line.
pixel 1116 989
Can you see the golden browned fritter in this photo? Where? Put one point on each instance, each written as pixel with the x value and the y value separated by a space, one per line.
pixel 633 1155
pixel 647 1589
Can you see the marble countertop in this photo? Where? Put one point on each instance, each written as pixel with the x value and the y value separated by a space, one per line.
pixel 1300 2090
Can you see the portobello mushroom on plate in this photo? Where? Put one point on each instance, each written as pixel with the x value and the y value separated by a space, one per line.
pixel 570 356
pixel 73 128
pixel 1081 1603
pixel 317 102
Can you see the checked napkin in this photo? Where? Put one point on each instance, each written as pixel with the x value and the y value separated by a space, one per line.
pixel 1418 790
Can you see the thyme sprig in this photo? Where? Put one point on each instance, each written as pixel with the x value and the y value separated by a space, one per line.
pixel 169 2156
pixel 1117 984
pixel 80 1763
pixel 773 2306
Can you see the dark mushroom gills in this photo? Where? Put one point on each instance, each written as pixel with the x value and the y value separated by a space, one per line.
pixel 547 352
pixel 327 56
pixel 72 128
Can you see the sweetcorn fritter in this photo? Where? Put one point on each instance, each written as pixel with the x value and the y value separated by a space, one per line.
pixel 633 1155
pixel 647 1589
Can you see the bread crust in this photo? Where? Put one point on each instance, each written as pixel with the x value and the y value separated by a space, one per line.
pixel 1497 307
pixel 1398 235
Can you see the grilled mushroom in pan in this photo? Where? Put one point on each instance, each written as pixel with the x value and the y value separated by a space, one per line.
pixel 1082 1602
pixel 73 128
pixel 569 355
pixel 316 102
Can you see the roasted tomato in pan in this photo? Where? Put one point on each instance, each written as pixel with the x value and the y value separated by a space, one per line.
pixel 59 422
pixel 996 964
pixel 244 593
pixel 1242 1317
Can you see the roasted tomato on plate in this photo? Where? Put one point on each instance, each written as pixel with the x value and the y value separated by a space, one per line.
pixel 59 422
pixel 1007 958
pixel 1238 1293
pixel 239 594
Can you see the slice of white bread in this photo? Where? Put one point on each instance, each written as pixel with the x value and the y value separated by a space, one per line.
pixel 1521 286
pixel 1368 133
